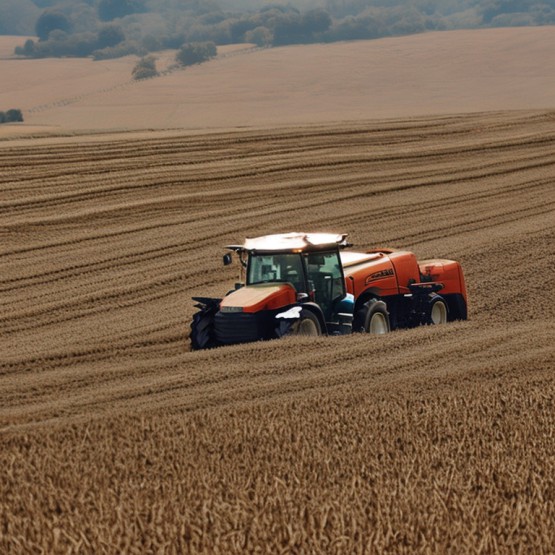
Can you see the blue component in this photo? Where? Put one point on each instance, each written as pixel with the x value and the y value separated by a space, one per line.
pixel 347 305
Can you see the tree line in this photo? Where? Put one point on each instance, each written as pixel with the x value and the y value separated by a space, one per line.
pixel 113 28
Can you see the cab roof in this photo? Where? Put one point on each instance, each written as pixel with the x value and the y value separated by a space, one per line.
pixel 293 242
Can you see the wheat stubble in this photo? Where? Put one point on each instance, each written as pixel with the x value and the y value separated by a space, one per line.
pixel 116 438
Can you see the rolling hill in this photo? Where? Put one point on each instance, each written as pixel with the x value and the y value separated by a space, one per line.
pixel 433 73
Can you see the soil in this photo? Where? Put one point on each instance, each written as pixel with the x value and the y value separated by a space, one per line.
pixel 117 438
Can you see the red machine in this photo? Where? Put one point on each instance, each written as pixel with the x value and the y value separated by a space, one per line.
pixel 307 284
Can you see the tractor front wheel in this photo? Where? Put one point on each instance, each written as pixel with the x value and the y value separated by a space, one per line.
pixel 202 330
pixel 307 324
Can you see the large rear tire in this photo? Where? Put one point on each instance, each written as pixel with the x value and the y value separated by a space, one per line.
pixel 373 318
pixel 307 325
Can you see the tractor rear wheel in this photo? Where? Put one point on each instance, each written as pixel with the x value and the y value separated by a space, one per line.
pixel 373 318
pixel 308 324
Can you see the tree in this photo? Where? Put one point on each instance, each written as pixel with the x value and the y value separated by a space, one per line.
pixel 316 21
pixel 261 36
pixel 50 21
pixel 82 44
pixel 27 49
pixel 240 27
pixel 110 35
pixel 196 53
pixel 494 8
pixel 11 115
pixel 14 115
pixel 112 9
pixel 151 43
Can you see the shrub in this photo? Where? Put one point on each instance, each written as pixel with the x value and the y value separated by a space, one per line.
pixel 145 68
pixel 14 115
pixel 261 36
pixel 123 49
pixel 11 115
pixel 28 47
pixel 196 53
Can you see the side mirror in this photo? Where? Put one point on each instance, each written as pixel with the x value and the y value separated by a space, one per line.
pixel 227 259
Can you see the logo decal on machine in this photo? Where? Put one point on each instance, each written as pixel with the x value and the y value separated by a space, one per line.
pixel 378 275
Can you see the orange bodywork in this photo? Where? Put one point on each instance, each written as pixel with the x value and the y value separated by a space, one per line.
pixel 308 284
pixel 385 273
pixel 254 298
pixel 447 272
pixel 379 273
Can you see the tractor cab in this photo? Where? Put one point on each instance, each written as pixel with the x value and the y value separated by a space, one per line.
pixel 316 276
pixel 303 270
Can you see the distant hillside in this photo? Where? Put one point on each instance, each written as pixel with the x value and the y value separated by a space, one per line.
pixel 431 73
pixel 115 28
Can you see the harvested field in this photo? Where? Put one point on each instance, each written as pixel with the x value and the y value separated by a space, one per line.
pixel 115 438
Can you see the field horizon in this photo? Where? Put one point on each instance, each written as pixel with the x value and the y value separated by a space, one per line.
pixel 442 72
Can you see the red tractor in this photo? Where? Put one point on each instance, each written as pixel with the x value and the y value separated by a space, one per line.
pixel 307 284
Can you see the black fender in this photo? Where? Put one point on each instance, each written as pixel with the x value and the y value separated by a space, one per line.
pixel 360 320
pixel 206 302
pixel 313 307
pixel 361 300
pixel 365 296
pixel 285 324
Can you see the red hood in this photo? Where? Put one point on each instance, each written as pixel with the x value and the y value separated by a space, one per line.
pixel 264 296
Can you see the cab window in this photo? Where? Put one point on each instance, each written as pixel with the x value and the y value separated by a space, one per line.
pixel 325 280
pixel 276 267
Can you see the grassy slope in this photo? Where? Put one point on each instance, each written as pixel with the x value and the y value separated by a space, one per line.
pixel 444 72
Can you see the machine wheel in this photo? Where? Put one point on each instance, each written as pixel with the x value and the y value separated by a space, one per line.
pixel 456 306
pixel 202 328
pixel 373 318
pixel 438 312
pixel 307 324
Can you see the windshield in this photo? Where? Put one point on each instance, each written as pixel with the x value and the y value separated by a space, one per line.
pixel 264 268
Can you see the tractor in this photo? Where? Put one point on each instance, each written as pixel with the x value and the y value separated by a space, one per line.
pixel 310 284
